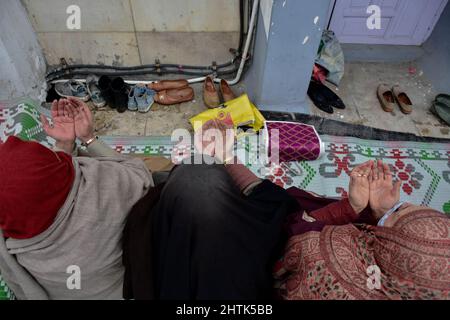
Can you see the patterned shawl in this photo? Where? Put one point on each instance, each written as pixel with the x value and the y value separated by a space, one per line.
pixel 410 260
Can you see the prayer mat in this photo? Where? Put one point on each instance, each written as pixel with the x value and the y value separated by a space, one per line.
pixel 423 168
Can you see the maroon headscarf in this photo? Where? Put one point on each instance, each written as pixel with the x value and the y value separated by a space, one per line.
pixel 34 184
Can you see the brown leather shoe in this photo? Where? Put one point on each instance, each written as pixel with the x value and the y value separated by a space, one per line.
pixel 386 97
pixel 227 93
pixel 168 84
pixel 174 96
pixel 403 100
pixel 210 94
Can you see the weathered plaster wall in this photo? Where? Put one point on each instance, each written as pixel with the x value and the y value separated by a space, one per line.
pixel 22 65
pixel 135 32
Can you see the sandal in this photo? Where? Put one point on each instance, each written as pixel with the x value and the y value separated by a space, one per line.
pixel 174 96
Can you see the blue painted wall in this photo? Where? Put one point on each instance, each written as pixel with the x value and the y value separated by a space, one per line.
pixel 436 60
pixel 254 76
pixel 279 76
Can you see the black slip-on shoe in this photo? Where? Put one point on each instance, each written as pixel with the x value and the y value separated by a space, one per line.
pixel 104 84
pixel 332 97
pixel 315 93
pixel 120 92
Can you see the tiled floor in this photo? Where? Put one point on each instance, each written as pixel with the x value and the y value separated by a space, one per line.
pixel 358 91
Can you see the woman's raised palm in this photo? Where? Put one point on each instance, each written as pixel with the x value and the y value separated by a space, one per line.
pixel 383 193
pixel 63 128
pixel 358 193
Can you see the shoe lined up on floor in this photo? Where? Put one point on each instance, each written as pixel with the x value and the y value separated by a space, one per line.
pixel 402 99
pixel 389 96
pixel 140 98
pixel 170 92
pixel 324 98
pixel 120 94
pixel 94 91
pixel 72 88
pixel 386 97
pixel 211 96
pixel 441 107
pixel 104 83
pixel 174 96
pixel 115 92
pixel 82 91
pixel 225 91
pixel 168 84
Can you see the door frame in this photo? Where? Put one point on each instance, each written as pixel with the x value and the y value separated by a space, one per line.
pixel 330 12
pixel 430 29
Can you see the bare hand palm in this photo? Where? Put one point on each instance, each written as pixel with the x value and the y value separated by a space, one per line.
pixel 359 186
pixel 83 119
pixel 383 193
pixel 63 128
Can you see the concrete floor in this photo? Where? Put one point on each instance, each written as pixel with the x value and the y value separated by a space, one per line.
pixel 159 121
pixel 358 91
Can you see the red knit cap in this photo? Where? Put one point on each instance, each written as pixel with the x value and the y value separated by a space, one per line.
pixel 34 184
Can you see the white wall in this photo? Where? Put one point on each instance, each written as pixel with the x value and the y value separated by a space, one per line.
pixel 134 32
pixel 22 65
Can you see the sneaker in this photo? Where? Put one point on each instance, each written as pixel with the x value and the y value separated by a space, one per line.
pixel 72 88
pixel 149 100
pixel 132 104
pixel 94 91
pixel 144 98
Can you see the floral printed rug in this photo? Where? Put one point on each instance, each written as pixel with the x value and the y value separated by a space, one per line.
pixel 423 168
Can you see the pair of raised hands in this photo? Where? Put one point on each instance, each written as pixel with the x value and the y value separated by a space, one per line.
pixel 371 183
pixel 71 119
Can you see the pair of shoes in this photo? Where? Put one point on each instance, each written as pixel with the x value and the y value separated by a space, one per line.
pixel 170 92
pixel 388 96
pixel 140 98
pixel 211 96
pixel 72 88
pixel 441 107
pixel 324 98
pixel 115 92
pixel 84 92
